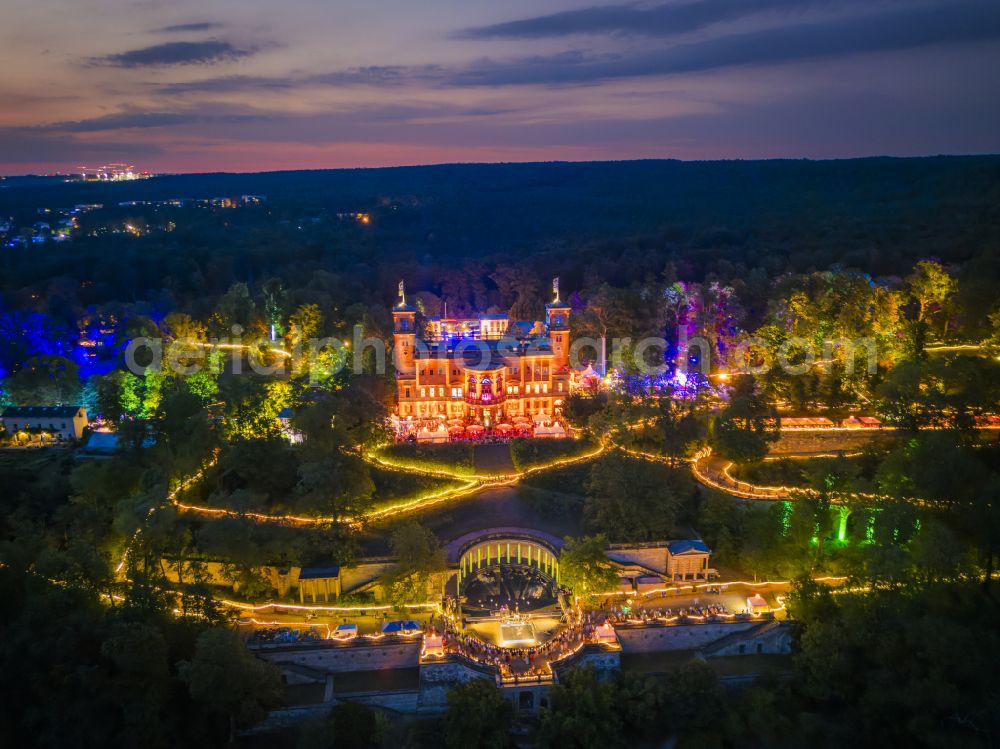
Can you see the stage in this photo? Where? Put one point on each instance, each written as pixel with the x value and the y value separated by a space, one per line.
pixel 539 627
pixel 517 633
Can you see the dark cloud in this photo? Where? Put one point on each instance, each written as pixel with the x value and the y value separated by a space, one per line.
pixel 175 53
pixel 186 27
pixel 375 75
pixel 229 84
pixel 667 19
pixel 818 123
pixel 135 119
pixel 370 123
pixel 961 21
pixel 894 29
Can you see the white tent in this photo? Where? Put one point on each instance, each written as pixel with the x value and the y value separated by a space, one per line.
pixel 433 644
pixel 438 434
pixel 606 633
pixel 554 430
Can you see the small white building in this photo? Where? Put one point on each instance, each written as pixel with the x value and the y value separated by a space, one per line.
pixel 687 560
pixel 674 561
pixel 63 423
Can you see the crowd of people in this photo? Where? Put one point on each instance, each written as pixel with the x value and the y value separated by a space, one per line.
pixel 523 662
pixel 620 615
pixel 287 635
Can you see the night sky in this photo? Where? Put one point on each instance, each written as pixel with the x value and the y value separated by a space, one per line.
pixel 247 85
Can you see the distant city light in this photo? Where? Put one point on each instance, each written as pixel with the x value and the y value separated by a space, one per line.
pixel 112 173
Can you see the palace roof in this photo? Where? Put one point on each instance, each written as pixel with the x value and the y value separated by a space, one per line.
pixel 470 351
pixel 318 573
pixel 687 547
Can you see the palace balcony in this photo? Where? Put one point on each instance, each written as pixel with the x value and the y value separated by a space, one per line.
pixel 486 399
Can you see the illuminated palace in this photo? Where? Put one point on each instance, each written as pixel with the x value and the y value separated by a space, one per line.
pixel 485 370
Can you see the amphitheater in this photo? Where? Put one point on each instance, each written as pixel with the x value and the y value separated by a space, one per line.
pixel 504 618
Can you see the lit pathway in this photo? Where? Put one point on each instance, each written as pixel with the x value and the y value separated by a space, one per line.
pixel 471 484
pixel 714 472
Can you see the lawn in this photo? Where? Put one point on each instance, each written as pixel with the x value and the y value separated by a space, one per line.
pixel 530 453
pixel 397 486
pixel 805 473
pixel 450 457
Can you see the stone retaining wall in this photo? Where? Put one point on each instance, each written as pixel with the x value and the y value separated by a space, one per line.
pixel 604 661
pixel 438 678
pixel 645 555
pixel 347 657
pixel 654 638
pixel 401 702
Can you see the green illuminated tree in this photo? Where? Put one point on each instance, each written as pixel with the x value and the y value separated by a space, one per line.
pixel 181 326
pixel 585 569
pixel 304 324
pixel 203 384
pixel 741 432
pixel 932 287
pixel 992 342
pixel 118 396
pixel 420 558
pixel 253 405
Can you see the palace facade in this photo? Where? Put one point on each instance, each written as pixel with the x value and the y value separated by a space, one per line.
pixel 485 370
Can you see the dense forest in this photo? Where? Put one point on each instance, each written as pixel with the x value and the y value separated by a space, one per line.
pixel 614 221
